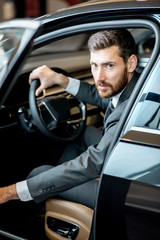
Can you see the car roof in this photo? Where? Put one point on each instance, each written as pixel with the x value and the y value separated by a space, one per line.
pixel 103 5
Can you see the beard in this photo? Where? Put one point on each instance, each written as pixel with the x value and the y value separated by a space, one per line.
pixel 113 90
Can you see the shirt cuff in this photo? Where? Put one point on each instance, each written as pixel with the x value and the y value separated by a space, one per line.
pixel 23 191
pixel 73 86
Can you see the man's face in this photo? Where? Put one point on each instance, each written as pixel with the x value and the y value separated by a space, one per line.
pixel 109 71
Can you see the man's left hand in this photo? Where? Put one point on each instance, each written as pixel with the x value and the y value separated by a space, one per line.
pixel 8 193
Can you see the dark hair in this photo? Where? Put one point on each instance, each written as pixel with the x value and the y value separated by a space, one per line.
pixel 121 38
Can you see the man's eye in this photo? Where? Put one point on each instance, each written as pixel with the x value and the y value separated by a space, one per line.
pixel 109 65
pixel 93 65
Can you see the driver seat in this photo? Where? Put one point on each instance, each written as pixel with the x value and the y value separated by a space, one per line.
pixel 67 220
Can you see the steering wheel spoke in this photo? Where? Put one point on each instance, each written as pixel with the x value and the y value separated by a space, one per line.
pixel 62 118
pixel 47 115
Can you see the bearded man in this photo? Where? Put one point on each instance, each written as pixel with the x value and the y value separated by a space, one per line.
pixel 113 62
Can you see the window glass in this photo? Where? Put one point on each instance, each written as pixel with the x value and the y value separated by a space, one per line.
pixel 9 42
pixel 12 41
pixel 147 111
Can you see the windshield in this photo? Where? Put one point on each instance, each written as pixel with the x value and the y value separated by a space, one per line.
pixel 9 44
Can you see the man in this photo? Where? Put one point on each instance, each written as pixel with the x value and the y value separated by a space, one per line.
pixel 113 62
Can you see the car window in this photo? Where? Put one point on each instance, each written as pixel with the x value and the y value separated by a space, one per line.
pixel 70 54
pixel 9 43
pixel 11 40
pixel 73 43
pixel 147 111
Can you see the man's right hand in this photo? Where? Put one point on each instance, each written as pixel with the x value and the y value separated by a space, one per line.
pixel 47 78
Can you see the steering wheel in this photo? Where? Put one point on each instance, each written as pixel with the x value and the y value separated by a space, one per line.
pixel 61 118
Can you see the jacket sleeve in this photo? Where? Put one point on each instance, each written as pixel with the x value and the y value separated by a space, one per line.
pixel 84 168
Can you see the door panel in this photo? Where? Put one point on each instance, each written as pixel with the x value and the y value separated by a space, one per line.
pixel 143 211
pixel 129 196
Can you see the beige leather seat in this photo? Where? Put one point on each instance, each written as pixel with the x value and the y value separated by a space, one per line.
pixel 64 218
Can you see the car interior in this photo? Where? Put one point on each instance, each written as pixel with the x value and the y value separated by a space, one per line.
pixel 25 146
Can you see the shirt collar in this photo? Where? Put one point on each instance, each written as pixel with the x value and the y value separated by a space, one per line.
pixel 115 99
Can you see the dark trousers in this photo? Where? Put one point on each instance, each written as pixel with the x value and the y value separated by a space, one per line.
pixel 85 193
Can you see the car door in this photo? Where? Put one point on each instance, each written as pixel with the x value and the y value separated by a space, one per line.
pixel 15 41
pixel 129 197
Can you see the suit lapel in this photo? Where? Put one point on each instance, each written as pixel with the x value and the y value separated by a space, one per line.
pixel 109 110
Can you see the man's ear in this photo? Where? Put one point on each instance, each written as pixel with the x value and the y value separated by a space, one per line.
pixel 132 63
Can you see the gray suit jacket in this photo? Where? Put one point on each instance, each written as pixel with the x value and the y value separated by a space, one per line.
pixel 89 164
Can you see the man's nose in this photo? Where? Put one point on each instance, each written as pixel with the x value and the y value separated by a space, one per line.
pixel 100 75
